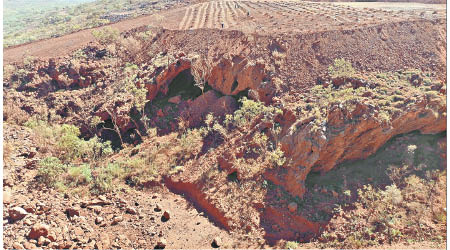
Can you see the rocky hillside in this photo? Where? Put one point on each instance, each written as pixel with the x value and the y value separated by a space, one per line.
pixel 218 132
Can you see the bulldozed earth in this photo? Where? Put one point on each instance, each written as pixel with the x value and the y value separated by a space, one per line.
pixel 231 124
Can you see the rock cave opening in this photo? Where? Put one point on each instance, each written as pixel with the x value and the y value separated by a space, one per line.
pixel 403 155
pixel 180 100
pixel 184 85
pixel 164 110
pixel 108 133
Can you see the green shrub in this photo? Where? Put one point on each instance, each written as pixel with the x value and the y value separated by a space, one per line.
pixel 28 62
pixel 50 170
pixel 34 123
pixel 277 157
pixel 341 68
pixel 189 138
pixel 291 245
pixel 95 149
pixel 8 71
pixel 115 170
pixel 145 35
pixel 250 110
pixel 105 176
pixel 144 172
pixel 106 35
pixel 212 126
pixel 139 93
pixel 68 142
pixel 431 94
pixel 80 175
pixel 102 183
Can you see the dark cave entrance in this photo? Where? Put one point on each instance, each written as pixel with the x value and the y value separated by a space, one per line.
pixel 184 85
pixel 108 133
pixel 163 111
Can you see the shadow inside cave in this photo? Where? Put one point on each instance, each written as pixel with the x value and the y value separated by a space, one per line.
pixel 339 186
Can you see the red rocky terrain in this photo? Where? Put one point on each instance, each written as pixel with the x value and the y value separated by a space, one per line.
pixel 210 186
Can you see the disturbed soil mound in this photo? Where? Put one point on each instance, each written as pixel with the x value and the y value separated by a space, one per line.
pixel 252 17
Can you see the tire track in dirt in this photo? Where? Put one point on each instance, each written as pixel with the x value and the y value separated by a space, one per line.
pixel 295 8
pixel 257 8
pixel 249 6
pixel 199 15
pixel 191 18
pixel 246 9
pixel 220 17
pixel 256 11
pixel 283 14
pixel 288 12
pixel 224 15
pixel 240 9
pixel 213 14
pixel 203 20
pixel 208 17
pixel 249 23
pixel 264 17
pixel 233 14
pixel 184 20
pixel 201 23
pixel 219 14
pixel 282 7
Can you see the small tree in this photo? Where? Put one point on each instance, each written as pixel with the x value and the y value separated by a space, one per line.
pixel 106 35
pixel 199 71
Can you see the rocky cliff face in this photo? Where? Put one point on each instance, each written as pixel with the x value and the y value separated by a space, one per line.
pixel 350 135
pixel 162 76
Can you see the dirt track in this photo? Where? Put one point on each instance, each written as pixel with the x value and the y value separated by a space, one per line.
pixel 262 17
pixel 63 45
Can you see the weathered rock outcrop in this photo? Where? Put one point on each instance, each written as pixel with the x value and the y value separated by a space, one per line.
pixel 79 74
pixel 349 135
pixel 231 76
pixel 161 76
pixel 209 102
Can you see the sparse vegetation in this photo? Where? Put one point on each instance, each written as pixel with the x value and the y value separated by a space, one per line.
pixel 387 95
pixel 51 169
pixel 138 122
pixel 73 158
pixel 63 141
pixel 199 70
pixel 106 35
pixel 277 157
pixel 291 245
pixel 27 21
pixel 131 86
pixel 105 176
pixel 341 68
pixel 390 202
pixel 251 110
pixel 390 215
pixel 79 175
